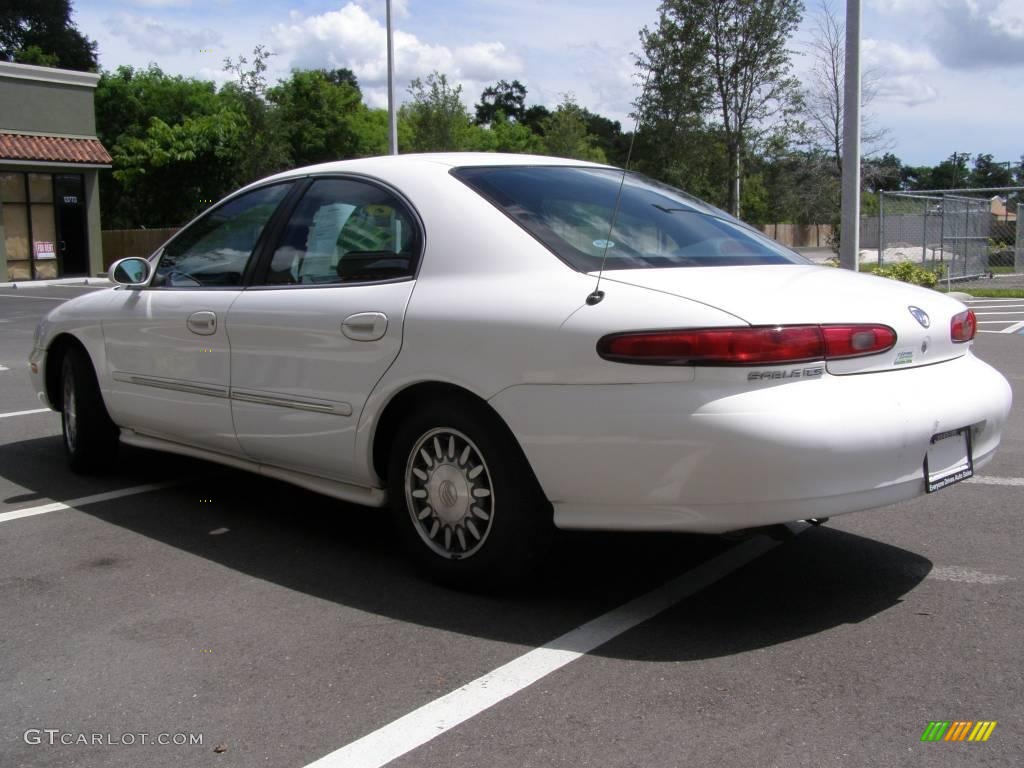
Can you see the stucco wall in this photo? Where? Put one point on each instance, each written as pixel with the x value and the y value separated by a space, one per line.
pixel 53 108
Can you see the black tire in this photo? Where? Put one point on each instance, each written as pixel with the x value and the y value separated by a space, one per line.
pixel 90 437
pixel 503 534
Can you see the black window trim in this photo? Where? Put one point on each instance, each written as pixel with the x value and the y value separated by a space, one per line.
pixel 261 262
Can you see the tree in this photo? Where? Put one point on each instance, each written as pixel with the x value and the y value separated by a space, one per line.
pixel 565 133
pixel 608 136
pixel 342 76
pixel 884 174
pixel 534 117
pixel 315 116
pixel 128 101
pixel 823 96
pixel 268 150
pixel 988 173
pixel 41 32
pixel 505 97
pixel 724 60
pixel 170 172
pixel 436 116
pixel 673 143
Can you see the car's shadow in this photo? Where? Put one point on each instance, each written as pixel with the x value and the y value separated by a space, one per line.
pixel 345 554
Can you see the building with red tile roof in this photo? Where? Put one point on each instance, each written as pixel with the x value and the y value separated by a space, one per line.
pixel 50 159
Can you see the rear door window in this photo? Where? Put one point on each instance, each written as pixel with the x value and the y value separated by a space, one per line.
pixel 345 231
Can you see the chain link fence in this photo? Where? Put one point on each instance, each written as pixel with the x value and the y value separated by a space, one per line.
pixel 959 233
pixel 1018 248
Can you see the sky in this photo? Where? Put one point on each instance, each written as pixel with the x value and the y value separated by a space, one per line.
pixel 950 72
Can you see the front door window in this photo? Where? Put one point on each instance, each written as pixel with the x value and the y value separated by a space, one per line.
pixel 213 251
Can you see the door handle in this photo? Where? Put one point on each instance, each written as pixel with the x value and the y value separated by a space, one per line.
pixel 365 326
pixel 204 323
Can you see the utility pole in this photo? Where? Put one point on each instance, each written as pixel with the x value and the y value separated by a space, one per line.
pixel 849 247
pixel 960 161
pixel 392 116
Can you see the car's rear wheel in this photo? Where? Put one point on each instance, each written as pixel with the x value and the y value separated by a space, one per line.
pixel 464 499
pixel 90 437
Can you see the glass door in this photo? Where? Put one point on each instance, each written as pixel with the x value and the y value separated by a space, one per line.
pixel 72 242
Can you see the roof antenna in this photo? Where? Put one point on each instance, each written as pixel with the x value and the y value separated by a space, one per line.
pixel 598 294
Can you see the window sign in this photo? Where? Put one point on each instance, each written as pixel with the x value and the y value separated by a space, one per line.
pixel 44 250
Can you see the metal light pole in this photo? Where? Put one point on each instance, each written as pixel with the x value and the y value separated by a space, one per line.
pixel 392 116
pixel 850 222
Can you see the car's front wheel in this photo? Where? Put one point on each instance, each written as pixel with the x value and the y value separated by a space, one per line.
pixel 464 499
pixel 90 437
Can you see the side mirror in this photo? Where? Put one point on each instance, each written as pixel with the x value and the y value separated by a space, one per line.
pixel 132 272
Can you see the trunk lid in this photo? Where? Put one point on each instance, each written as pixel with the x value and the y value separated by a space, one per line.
pixel 798 295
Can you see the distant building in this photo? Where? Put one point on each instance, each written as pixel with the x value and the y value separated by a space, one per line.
pixel 50 160
pixel 1000 210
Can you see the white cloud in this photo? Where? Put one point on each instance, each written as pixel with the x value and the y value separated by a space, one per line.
pixel 161 3
pixel 902 74
pixel 350 37
pixel 378 9
pixel 965 34
pixel 148 34
pixel 979 34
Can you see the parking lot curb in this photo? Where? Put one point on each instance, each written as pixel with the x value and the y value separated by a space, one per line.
pixel 21 284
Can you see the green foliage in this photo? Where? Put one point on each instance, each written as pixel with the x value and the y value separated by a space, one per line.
pixel 723 66
pixel 565 133
pixel 504 136
pixel 909 272
pixel 988 173
pixel 41 32
pixel 436 116
pixel 315 117
pixel 129 103
pixel 503 97
pixel 33 54
pixel 171 169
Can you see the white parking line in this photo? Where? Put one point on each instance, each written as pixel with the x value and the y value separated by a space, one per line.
pixel 56 506
pixel 987 480
pixel 1013 328
pixel 23 413
pixel 431 720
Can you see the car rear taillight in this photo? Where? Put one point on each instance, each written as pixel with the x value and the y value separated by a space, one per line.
pixel 764 345
pixel 963 327
pixel 842 341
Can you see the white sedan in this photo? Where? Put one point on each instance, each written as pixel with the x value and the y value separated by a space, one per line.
pixel 493 344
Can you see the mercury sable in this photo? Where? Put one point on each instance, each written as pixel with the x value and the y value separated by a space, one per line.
pixel 492 345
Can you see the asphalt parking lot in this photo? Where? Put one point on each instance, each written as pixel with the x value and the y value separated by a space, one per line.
pixel 999 315
pixel 171 600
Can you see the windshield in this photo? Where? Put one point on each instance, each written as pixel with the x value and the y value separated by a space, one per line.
pixel 569 209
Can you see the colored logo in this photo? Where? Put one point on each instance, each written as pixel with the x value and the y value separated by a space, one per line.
pixel 958 730
pixel 921 316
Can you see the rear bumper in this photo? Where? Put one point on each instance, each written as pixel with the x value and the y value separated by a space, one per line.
pixel 717 454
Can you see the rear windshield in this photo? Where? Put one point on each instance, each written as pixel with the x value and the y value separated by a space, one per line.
pixel 569 209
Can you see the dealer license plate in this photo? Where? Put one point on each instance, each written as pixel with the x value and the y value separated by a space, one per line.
pixel 948 460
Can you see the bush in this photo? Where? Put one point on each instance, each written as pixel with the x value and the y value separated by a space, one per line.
pixel 909 272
